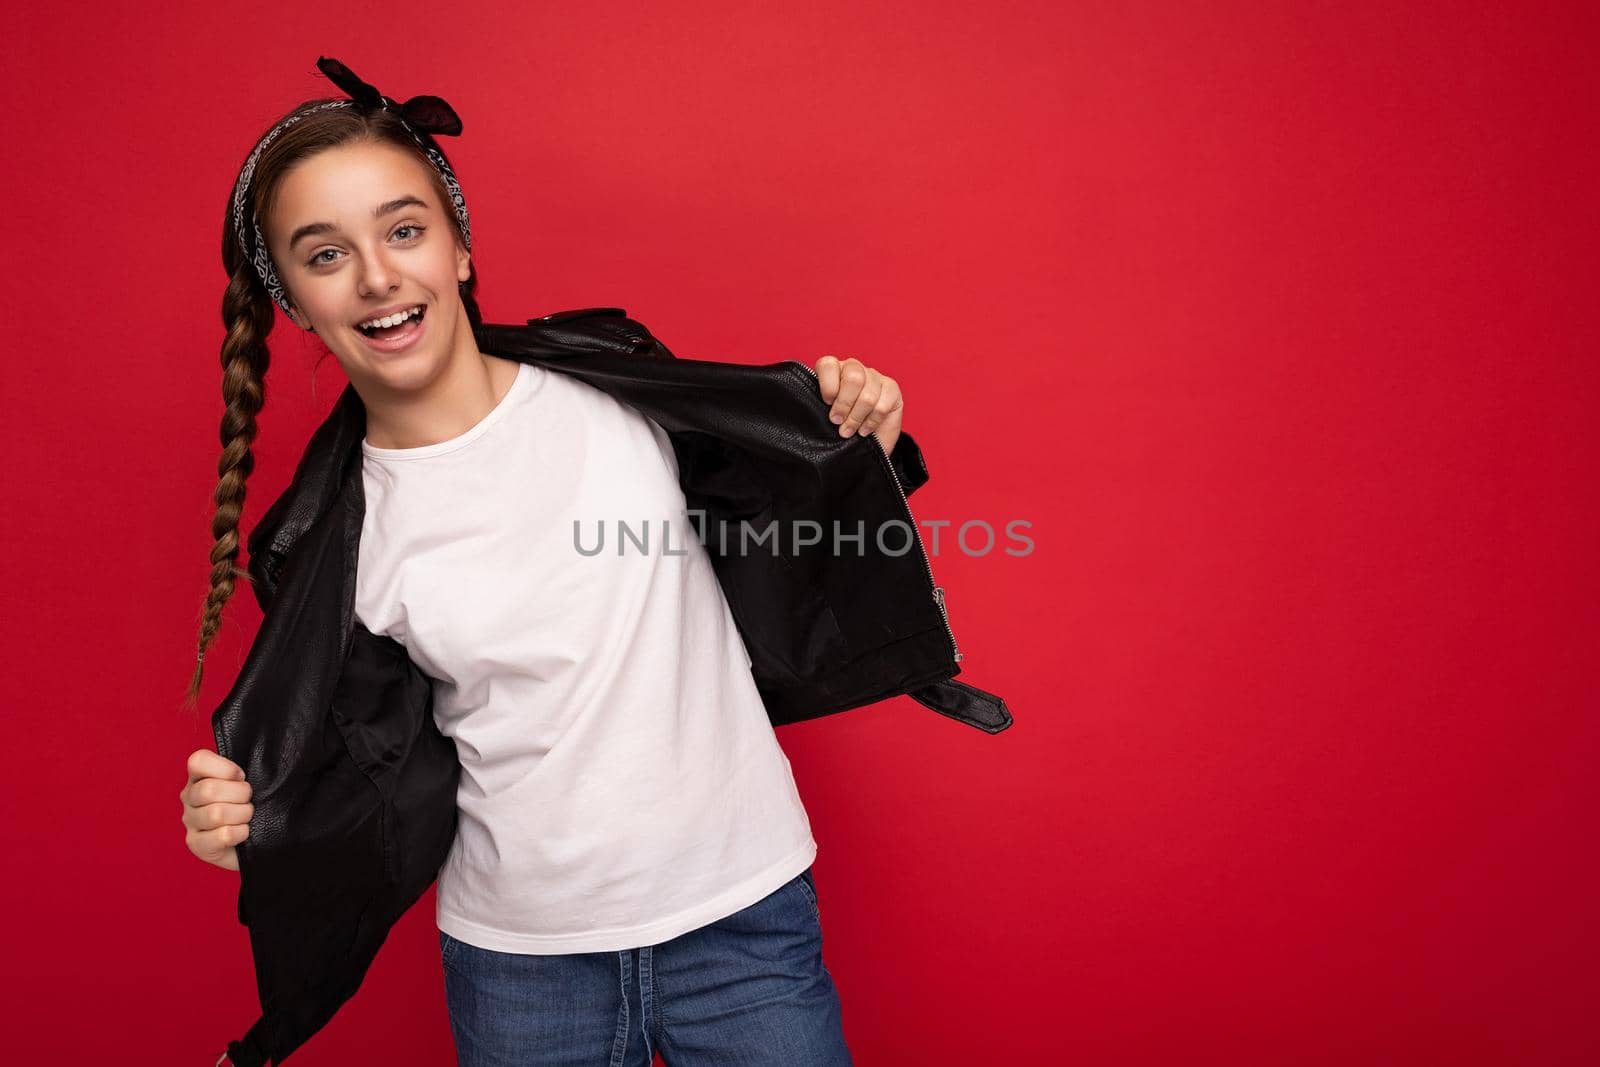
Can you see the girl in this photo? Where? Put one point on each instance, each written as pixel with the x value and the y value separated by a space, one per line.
pixel 632 866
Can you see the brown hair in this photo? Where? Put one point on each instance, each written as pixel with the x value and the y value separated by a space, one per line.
pixel 248 315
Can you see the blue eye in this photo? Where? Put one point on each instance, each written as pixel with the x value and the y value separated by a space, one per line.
pixel 317 261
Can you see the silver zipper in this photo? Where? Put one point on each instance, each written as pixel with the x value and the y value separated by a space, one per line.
pixel 916 532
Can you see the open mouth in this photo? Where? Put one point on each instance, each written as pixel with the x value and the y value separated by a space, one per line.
pixel 411 322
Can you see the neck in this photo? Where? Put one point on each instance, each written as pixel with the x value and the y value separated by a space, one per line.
pixel 454 397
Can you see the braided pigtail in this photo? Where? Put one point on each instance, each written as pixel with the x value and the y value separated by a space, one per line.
pixel 247 312
pixel 255 290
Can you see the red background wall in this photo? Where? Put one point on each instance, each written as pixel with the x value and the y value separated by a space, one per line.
pixel 1277 322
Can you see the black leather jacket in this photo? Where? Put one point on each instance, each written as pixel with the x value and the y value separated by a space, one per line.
pixel 354 786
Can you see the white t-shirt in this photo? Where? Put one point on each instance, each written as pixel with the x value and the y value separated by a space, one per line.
pixel 621 782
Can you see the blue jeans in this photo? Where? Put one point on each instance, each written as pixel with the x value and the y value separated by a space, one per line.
pixel 748 989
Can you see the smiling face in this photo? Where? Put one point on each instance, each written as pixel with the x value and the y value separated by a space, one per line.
pixel 358 232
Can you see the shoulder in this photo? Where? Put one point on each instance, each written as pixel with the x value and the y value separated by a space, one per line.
pixel 580 313
pixel 609 328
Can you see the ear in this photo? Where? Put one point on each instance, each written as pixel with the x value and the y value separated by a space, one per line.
pixel 298 317
pixel 463 264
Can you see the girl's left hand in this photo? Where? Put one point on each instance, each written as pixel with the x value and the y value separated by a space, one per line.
pixel 863 399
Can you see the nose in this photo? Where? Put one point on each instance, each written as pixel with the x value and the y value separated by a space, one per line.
pixel 377 274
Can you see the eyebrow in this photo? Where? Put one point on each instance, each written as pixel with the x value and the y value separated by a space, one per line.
pixel 388 207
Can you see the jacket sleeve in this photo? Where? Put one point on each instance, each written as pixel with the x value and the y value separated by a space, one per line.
pixel 906 459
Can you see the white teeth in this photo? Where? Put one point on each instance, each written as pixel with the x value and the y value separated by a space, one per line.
pixel 390 320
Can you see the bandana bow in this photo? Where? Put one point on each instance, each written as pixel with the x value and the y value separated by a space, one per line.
pixel 429 114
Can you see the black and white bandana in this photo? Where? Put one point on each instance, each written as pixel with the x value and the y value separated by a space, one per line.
pixel 423 116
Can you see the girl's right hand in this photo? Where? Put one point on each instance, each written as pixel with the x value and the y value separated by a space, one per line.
pixel 216 808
